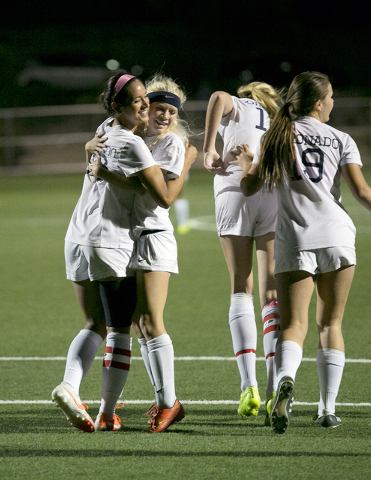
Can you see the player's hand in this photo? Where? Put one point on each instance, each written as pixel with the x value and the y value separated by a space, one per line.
pixel 96 145
pixel 213 163
pixel 242 155
pixel 95 165
pixel 190 155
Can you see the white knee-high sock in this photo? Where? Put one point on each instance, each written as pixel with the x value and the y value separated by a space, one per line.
pixel 244 337
pixel 116 366
pixel 161 359
pixel 80 356
pixel 271 331
pixel 288 359
pixel 144 352
pixel 330 366
pixel 181 207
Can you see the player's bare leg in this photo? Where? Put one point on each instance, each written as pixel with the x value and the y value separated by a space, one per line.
pixel 81 354
pixel 152 294
pixel 270 313
pixel 332 294
pixel 294 290
pixel 238 253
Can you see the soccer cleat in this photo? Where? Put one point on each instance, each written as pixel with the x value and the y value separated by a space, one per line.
pixel 162 418
pixel 268 409
pixel 329 420
pixel 316 417
pixel 150 409
pixel 184 228
pixel 249 402
pixel 282 405
pixel 73 409
pixel 104 423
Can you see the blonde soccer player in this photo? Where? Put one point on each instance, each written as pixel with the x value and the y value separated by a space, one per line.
pixel 242 223
pixel 315 237
pixel 155 255
pixel 98 248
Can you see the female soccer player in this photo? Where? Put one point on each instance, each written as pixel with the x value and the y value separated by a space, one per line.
pixel 98 248
pixel 315 237
pixel 242 222
pixel 155 256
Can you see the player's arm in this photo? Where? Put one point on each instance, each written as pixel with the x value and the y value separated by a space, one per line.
pixel 165 193
pixel 219 106
pixel 356 182
pixel 250 182
pixel 94 146
pixel 97 170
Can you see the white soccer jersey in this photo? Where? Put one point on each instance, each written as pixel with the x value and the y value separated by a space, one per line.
pixel 102 217
pixel 246 123
pixel 310 214
pixel 168 153
pixel 236 214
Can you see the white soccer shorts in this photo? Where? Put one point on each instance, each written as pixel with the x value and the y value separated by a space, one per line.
pixel 320 260
pixel 245 216
pixel 156 252
pixel 95 263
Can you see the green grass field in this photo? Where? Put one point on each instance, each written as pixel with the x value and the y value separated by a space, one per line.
pixel 40 316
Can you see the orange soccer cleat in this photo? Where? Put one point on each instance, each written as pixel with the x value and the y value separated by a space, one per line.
pixel 162 418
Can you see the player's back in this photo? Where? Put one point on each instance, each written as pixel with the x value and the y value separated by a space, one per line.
pixel 247 122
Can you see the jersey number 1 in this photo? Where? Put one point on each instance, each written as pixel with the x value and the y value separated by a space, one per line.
pixel 261 124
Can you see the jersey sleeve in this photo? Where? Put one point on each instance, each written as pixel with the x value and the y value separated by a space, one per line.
pixel 169 155
pixel 231 115
pixel 135 157
pixel 102 127
pixel 350 153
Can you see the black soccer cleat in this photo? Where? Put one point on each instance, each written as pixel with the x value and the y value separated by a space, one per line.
pixel 329 420
pixel 282 405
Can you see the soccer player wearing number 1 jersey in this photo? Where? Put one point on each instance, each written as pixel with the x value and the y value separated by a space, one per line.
pixel 243 223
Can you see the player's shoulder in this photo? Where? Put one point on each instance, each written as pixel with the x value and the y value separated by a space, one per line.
pixel 311 127
pixel 325 128
pixel 244 109
pixel 246 102
pixel 171 138
pixel 104 125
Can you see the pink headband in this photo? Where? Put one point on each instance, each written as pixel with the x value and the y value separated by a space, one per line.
pixel 121 82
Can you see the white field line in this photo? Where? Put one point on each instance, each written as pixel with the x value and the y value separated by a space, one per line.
pixel 184 402
pixel 183 359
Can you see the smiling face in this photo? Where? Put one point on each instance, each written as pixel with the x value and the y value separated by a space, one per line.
pixel 161 117
pixel 136 110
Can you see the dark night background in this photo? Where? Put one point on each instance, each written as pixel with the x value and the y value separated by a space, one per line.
pixel 206 46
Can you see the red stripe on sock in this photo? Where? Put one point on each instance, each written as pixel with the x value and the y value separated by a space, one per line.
pixel 241 352
pixel 270 355
pixel 270 317
pixel 114 364
pixel 118 351
pixel 272 328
